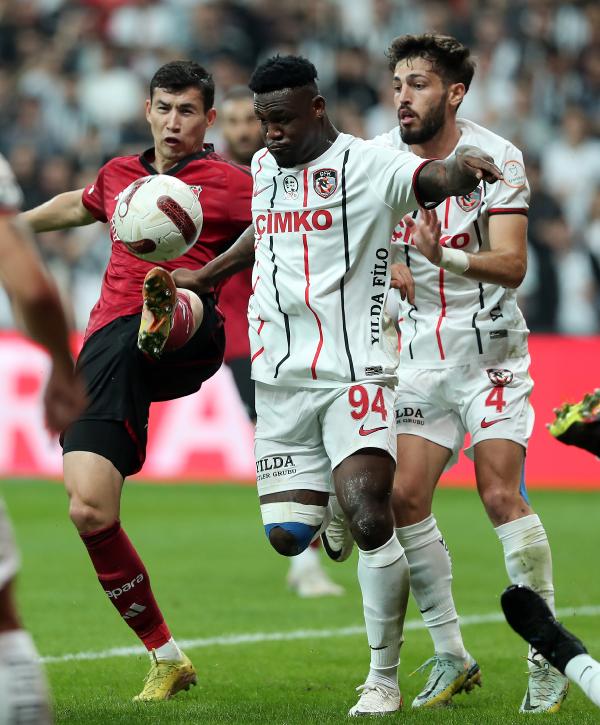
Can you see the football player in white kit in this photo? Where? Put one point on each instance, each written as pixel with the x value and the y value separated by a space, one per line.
pixel 324 352
pixel 23 693
pixel 464 363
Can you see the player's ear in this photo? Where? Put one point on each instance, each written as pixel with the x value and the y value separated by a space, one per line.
pixel 148 106
pixel 318 104
pixel 456 93
pixel 211 116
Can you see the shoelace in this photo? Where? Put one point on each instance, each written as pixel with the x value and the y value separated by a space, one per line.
pixel 542 679
pixel 367 688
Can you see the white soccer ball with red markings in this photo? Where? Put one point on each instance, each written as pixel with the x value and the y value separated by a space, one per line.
pixel 158 217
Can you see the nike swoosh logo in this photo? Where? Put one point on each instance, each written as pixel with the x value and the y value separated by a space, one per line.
pixel 487 423
pixel 377 648
pixel 257 192
pixel 367 431
pixel 426 610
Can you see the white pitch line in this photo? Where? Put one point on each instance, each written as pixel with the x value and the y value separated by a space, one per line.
pixel 259 637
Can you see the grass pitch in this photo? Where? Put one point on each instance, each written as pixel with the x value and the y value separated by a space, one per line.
pixel 214 575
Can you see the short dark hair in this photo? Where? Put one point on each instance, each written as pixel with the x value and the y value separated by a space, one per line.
pixel 450 59
pixel 278 72
pixel 178 75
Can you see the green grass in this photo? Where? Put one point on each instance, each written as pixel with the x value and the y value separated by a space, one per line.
pixel 214 574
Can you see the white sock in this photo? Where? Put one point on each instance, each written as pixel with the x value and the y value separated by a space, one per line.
pixel 169 651
pixel 431 584
pixel 23 689
pixel 307 559
pixel 527 555
pixel 584 671
pixel 384 582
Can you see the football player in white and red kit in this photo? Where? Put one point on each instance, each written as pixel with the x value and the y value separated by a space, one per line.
pixel 464 363
pixel 241 133
pixel 324 352
pixel 108 442
pixel 36 303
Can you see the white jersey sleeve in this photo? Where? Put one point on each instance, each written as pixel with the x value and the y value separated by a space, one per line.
pixel 11 197
pixel 393 175
pixel 511 195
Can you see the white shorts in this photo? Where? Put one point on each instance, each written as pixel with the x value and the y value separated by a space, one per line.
pixel 303 434
pixel 486 401
pixel 9 557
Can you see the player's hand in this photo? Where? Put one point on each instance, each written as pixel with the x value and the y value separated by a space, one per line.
pixel 403 281
pixel 64 397
pixel 193 280
pixel 426 231
pixel 475 163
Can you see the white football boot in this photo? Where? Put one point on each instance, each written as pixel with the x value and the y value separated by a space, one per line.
pixel 337 538
pixel 448 677
pixel 547 688
pixel 376 700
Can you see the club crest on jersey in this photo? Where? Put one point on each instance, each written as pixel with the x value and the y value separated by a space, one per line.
pixel 290 187
pixel 197 190
pixel 500 377
pixel 325 182
pixel 470 201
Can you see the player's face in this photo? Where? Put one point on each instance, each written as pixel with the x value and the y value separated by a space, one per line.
pixel 240 129
pixel 178 122
pixel 422 100
pixel 291 124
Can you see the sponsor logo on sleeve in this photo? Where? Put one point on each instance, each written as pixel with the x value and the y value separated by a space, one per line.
pixel 514 174
pixel 325 182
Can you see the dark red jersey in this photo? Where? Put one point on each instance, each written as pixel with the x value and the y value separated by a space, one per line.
pixel 233 302
pixel 225 195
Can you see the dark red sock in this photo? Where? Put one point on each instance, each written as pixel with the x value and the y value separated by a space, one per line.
pixel 124 578
pixel 316 544
pixel 183 323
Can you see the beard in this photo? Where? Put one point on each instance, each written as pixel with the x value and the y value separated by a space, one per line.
pixel 429 126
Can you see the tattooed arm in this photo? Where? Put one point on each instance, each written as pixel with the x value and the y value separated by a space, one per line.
pixel 457 175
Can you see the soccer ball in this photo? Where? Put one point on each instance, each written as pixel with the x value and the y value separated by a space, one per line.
pixel 157 218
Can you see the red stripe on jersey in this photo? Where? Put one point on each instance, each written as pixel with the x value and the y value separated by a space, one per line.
pixel 508 210
pixel 260 165
pixel 415 178
pixel 305 200
pixel 442 315
pixel 447 212
pixel 262 349
pixel 307 300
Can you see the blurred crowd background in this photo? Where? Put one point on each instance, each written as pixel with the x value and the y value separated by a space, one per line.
pixel 74 76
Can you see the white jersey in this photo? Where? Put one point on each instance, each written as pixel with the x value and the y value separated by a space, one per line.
pixel 456 320
pixel 321 273
pixel 11 197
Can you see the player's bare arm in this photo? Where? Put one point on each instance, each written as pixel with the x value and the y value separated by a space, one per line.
pixel 239 256
pixel 38 308
pixel 504 264
pixel 458 174
pixel 61 212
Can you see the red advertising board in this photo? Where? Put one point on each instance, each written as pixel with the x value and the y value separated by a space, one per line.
pixel 206 436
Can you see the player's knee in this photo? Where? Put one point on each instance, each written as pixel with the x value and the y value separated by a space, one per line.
pixel 498 500
pixel 367 525
pixel 409 505
pixel 291 526
pixel 290 539
pixel 87 517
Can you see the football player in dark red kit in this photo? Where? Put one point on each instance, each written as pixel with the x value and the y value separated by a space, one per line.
pixel 186 337
pixel 241 133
